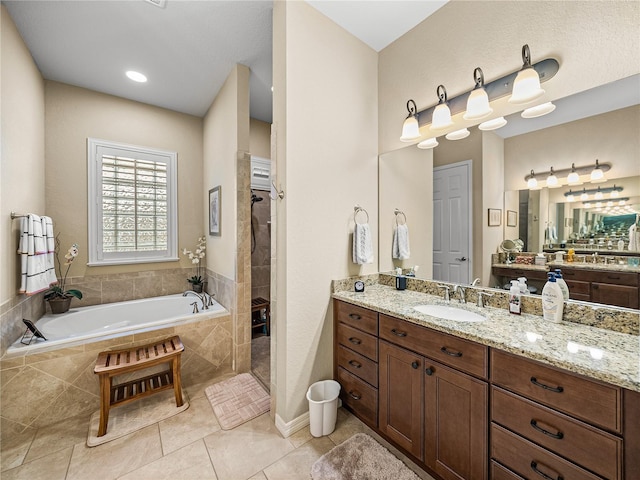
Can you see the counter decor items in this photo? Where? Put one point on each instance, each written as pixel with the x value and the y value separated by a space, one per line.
pixel 58 296
pixel 197 284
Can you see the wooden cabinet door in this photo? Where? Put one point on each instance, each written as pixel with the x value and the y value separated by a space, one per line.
pixel 609 294
pixel 456 423
pixel 400 397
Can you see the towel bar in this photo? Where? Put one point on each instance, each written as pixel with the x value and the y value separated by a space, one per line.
pixel 15 215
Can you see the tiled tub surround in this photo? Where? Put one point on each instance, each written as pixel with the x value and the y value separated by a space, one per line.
pixel 598 353
pixel 43 388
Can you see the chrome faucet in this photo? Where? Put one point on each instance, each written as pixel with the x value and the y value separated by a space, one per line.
pixel 463 293
pixel 446 292
pixel 475 282
pixel 481 296
pixel 595 257
pixel 205 303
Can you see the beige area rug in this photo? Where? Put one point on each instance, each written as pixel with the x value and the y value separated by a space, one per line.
pixel 237 400
pixel 135 416
pixel 360 458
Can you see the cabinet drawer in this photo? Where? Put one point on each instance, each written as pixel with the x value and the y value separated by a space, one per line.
pixel 361 397
pixel 358 317
pixel 359 365
pixel 588 400
pixel 358 341
pixel 616 278
pixel 453 351
pixel 583 444
pixel 498 472
pixel 531 461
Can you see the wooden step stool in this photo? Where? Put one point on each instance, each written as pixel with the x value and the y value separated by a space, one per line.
pixel 117 362
pixel 258 304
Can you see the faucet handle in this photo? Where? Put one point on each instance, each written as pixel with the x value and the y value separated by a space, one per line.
pixel 446 291
pixel 481 296
pixel 195 307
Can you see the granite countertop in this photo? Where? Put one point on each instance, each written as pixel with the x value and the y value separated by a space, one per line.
pixel 600 354
pixel 585 266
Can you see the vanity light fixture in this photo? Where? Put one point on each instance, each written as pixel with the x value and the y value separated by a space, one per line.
pixel 597 174
pixel 582 170
pixel 532 182
pixel 552 180
pixel 428 143
pixel 538 110
pixel 478 101
pixel 441 115
pixel 458 134
pixel 598 192
pixel 573 178
pixel 570 196
pixel 136 76
pixel 494 124
pixel 410 129
pixel 526 87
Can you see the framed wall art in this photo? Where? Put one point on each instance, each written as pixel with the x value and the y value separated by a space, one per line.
pixel 512 218
pixel 215 211
pixel 495 217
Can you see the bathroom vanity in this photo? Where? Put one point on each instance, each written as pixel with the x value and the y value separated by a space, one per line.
pixel 503 398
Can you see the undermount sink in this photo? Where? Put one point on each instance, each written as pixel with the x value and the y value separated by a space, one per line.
pixel 449 313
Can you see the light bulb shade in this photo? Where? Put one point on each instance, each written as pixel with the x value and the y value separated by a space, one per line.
pixel 493 124
pixel 441 117
pixel 526 87
pixel 571 198
pixel 609 203
pixel 458 134
pixel 410 130
pixel 477 105
pixel 428 143
pixel 538 110
pixel 597 174
pixel 552 180
pixel 622 202
pixel 584 196
pixel 573 178
pixel 615 193
pixel 532 183
pixel 598 204
pixel 598 195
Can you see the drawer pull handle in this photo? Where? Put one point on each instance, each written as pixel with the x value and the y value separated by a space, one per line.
pixel 354 316
pixel 355 364
pixel 415 364
pixel 429 371
pixel 355 341
pixel 614 277
pixel 557 436
pixel 355 396
pixel 448 352
pixel 534 467
pixel 398 333
pixel 534 380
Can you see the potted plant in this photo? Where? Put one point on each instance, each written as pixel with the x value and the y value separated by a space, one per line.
pixel 58 296
pixel 196 281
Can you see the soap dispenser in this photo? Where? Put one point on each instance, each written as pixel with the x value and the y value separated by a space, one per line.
pixel 552 300
pixel 514 298
pixel 522 284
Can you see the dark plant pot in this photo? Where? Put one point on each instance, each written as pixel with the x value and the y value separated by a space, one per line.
pixel 60 305
pixel 198 287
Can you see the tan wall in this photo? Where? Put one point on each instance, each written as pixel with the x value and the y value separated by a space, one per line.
pixel 328 147
pixel 260 142
pixel 22 166
pixel 492 197
pixel 611 137
pixel 72 115
pixel 595 43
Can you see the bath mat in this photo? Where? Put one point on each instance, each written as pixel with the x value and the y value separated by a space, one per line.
pixel 135 416
pixel 237 400
pixel 360 458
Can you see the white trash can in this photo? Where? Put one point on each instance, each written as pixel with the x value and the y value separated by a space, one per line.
pixel 323 407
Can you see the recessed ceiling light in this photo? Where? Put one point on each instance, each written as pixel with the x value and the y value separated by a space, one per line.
pixel 136 76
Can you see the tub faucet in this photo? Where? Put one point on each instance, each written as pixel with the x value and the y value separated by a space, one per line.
pixel 205 303
pixel 463 293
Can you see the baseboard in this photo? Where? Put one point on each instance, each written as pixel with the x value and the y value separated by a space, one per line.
pixel 289 428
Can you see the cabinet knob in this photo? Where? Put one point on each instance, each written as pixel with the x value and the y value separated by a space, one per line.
pixel 415 364
pixel 429 371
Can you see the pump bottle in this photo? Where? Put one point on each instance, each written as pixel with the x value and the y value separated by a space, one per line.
pixel 562 284
pixel 514 298
pixel 552 300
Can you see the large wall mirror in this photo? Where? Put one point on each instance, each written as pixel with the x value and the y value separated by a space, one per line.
pixel 606 130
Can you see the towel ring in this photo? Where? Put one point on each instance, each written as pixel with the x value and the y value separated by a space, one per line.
pixel 397 213
pixel 357 209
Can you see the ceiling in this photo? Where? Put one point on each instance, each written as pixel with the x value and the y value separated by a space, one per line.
pixel 185 48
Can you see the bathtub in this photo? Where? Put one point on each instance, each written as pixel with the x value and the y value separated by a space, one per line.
pixel 84 325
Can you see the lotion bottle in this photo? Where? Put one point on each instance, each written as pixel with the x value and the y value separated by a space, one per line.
pixel 552 300
pixel 562 284
pixel 514 298
pixel 522 284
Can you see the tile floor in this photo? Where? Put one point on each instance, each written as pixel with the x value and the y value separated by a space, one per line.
pixel 187 446
pixel 261 359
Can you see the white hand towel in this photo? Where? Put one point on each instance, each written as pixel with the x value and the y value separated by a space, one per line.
pixel 38 269
pixel 401 242
pixel 362 244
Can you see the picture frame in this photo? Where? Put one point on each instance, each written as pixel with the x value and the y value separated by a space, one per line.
pixel 495 217
pixel 215 211
pixel 512 218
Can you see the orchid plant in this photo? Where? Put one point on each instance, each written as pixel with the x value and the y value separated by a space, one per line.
pixel 195 258
pixel 59 290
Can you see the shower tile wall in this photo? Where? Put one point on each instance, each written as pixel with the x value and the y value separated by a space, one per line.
pixel 261 256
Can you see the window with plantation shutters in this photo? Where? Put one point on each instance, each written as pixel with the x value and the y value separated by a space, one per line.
pixel 132 204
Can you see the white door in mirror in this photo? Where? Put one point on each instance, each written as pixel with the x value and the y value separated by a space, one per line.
pixel 449 313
